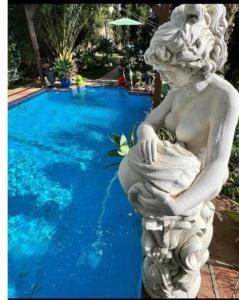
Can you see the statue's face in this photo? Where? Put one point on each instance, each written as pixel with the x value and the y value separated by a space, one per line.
pixel 174 75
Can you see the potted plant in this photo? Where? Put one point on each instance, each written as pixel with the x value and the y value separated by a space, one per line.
pixel 64 67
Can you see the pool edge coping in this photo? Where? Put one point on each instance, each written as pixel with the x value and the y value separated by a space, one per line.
pixel 24 98
pixel 18 101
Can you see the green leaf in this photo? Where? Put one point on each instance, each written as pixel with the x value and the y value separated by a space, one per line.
pixel 112 153
pixel 232 215
pixel 123 140
pixel 115 139
pixel 111 165
pixel 234 202
pixel 132 136
pixel 123 150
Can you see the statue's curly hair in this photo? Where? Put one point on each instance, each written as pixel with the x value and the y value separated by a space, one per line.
pixel 193 38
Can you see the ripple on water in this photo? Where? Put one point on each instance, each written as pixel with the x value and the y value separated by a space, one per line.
pixel 29 237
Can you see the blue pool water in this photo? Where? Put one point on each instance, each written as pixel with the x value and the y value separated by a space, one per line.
pixel 72 231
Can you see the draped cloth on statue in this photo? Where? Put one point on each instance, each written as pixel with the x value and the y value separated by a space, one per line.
pixel 175 247
pixel 172 173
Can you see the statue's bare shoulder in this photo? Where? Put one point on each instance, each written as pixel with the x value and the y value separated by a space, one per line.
pixel 227 94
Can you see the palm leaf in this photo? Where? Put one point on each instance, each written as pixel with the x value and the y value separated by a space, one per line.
pixel 232 215
pixel 111 165
pixel 115 139
pixel 112 153
pixel 123 150
pixel 123 140
pixel 132 136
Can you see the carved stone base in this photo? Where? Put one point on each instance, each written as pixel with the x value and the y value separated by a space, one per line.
pixel 191 293
pixel 170 293
pixel 175 250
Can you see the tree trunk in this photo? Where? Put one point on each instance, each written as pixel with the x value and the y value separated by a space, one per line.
pixel 162 12
pixel 30 11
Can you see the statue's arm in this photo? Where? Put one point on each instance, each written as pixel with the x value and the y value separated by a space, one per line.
pixel 147 137
pixel 155 118
pixel 208 183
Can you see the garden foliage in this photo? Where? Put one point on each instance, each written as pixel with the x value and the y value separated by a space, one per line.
pixel 231 188
pixel 64 67
pixel 14 60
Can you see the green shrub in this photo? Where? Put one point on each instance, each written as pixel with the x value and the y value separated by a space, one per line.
pixel 233 214
pixel 164 134
pixel 231 188
pixel 164 89
pixel 14 61
pixel 106 47
pixel 64 67
pixel 85 59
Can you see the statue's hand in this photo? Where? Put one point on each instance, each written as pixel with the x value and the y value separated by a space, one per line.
pixel 149 149
pixel 164 206
pixel 149 201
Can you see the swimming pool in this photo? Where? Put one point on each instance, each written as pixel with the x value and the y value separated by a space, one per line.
pixel 72 231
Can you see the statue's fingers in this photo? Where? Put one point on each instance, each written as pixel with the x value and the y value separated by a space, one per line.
pixel 142 148
pixel 148 201
pixel 148 149
pixel 158 194
pixel 145 151
pixel 154 150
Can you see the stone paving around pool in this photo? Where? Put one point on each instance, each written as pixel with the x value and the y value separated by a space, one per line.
pixel 21 92
pixel 220 276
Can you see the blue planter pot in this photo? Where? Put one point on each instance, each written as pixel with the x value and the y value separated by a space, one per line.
pixel 65 83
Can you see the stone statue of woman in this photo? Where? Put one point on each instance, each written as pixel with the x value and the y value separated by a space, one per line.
pixel 172 184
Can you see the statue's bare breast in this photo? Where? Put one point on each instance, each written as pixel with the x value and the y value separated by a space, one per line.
pixel 189 119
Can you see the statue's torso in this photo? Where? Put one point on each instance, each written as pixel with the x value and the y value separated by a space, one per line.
pixel 190 115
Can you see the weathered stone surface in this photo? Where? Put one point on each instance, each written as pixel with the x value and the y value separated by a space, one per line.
pixel 172 185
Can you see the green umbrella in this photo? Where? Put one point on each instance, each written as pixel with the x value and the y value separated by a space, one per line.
pixel 125 21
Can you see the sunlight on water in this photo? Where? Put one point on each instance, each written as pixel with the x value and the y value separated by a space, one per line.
pixel 93 114
pixel 94 258
pixel 57 153
pixel 24 178
pixel 97 136
pixel 72 231
pixel 28 237
pixel 12 291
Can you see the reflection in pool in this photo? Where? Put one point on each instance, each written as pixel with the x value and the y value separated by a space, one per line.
pixel 72 231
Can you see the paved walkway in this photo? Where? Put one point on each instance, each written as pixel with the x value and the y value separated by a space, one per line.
pixel 21 92
pixel 112 75
pixel 221 274
pixel 18 93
